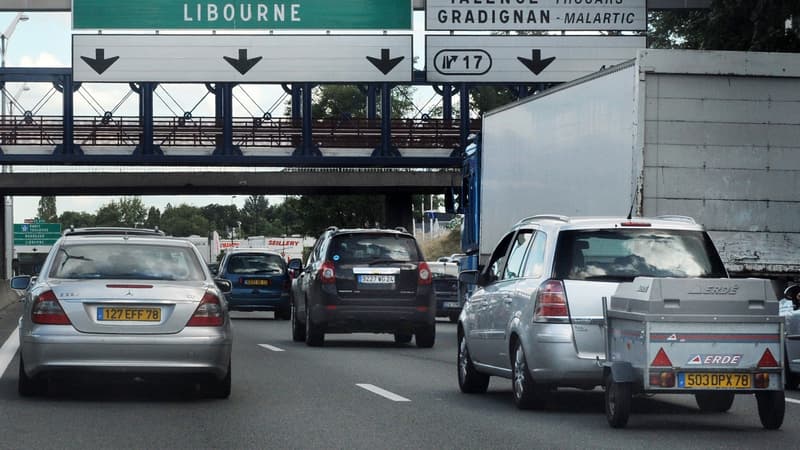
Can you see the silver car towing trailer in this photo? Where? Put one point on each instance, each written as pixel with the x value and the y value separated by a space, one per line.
pixel 713 338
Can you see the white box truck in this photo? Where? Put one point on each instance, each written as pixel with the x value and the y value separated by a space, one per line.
pixel 707 134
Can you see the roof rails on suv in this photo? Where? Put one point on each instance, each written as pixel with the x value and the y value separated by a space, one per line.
pixel 676 218
pixel 112 231
pixel 543 217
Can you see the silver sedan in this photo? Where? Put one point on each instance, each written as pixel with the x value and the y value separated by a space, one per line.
pixel 117 301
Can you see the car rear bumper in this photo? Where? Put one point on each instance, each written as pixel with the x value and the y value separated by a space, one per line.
pixel 265 303
pixel 197 350
pixel 372 319
pixel 552 359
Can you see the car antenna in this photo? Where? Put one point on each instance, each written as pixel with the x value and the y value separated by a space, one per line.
pixel 630 211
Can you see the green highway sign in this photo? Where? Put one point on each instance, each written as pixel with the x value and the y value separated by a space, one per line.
pixel 38 233
pixel 242 14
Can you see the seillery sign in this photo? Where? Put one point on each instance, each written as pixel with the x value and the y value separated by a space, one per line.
pixel 519 15
pixel 242 14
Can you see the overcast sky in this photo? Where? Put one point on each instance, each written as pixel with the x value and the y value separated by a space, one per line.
pixel 44 41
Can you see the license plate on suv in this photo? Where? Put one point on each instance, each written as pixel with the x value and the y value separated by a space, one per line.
pixel 376 279
pixel 692 380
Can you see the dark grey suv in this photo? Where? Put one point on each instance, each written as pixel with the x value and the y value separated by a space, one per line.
pixel 364 280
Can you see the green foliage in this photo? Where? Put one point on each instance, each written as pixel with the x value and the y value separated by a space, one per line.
pixel 339 101
pixel 47 209
pixel 153 218
pixel 183 220
pixel 127 212
pixel 744 25
pixel 343 211
pixel 444 245
pixel 76 219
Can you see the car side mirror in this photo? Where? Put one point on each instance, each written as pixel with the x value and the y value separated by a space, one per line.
pixel 21 283
pixel 224 285
pixel 468 277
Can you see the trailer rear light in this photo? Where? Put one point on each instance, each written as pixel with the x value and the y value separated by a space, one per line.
pixel 662 379
pixel 48 311
pixel 327 273
pixel 767 360
pixel 208 313
pixel 425 276
pixel 761 380
pixel 551 303
pixel 661 359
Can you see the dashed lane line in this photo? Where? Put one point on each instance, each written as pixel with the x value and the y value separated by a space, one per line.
pixel 271 347
pixel 791 400
pixel 382 392
pixel 8 350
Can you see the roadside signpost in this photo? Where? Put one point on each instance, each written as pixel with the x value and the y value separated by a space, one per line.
pixel 474 15
pixel 523 59
pixel 37 233
pixel 242 14
pixel 242 58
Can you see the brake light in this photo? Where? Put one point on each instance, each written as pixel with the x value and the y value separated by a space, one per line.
pixel 425 275
pixel 208 312
pixel 661 359
pixel 635 224
pixel 327 273
pixel 767 360
pixel 551 302
pixel 47 310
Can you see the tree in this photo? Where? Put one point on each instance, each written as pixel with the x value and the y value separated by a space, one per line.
pixel 184 220
pixel 127 212
pixel 221 216
pixel 153 218
pixel 343 101
pixel 322 211
pixel 745 25
pixel 76 219
pixel 47 209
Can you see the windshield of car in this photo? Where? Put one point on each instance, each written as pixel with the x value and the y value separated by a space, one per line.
pixel 371 248
pixel 126 261
pixel 623 254
pixel 255 264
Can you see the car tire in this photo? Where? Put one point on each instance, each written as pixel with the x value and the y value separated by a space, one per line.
pixel 618 398
pixel 403 338
pixel 315 337
pixel 453 317
pixel 28 386
pixel 771 408
pixel 284 313
pixel 470 381
pixel 298 328
pixel 426 336
pixel 527 395
pixel 220 388
pixel 714 401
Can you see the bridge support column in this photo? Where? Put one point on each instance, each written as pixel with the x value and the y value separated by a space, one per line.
pixel 224 110
pixel 465 121
pixel 7 235
pixel 67 87
pixel 399 211
pixel 307 147
pixel 146 145
pixel 386 149
pixel 447 105
pixel 372 102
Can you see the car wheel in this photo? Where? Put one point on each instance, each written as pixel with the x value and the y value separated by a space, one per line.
pixel 714 401
pixel 220 388
pixel 402 338
pixel 284 313
pixel 453 317
pixel 618 403
pixel 298 328
pixel 771 408
pixel 527 395
pixel 314 336
pixel 470 381
pixel 426 336
pixel 27 386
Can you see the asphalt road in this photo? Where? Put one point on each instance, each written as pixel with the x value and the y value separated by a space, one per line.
pixel 358 391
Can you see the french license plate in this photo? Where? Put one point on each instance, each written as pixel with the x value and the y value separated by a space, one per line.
pixel 129 314
pixel 376 279
pixel 714 380
pixel 450 304
pixel 255 282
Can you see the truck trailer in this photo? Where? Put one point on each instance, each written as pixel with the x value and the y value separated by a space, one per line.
pixel 708 134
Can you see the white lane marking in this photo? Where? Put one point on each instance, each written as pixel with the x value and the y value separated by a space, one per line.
pixel 271 347
pixel 382 392
pixel 791 400
pixel 8 350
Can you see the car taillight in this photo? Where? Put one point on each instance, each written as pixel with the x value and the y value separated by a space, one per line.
pixel 46 310
pixel 551 303
pixel 327 273
pixel 208 313
pixel 425 275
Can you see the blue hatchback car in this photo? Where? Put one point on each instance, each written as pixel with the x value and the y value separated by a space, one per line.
pixel 260 281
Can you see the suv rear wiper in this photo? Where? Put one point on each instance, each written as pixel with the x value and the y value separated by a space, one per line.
pixel 386 261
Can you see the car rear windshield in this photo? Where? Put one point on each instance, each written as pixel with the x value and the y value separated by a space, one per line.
pixel 126 261
pixel 623 254
pixel 256 264
pixel 373 249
